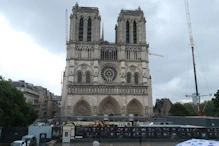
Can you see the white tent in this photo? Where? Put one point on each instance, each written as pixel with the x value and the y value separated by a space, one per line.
pixel 199 142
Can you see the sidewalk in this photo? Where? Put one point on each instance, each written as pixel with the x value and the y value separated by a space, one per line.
pixel 104 144
pixel 119 144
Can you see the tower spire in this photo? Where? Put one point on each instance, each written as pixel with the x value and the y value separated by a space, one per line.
pixel 103 32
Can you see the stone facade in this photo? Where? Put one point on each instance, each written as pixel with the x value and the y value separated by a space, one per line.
pixel 31 93
pixel 107 78
pixel 45 103
pixel 49 105
pixel 162 107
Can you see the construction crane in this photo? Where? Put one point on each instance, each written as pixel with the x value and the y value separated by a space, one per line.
pixel 155 54
pixel 193 57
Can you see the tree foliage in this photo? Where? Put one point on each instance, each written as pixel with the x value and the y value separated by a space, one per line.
pixel 206 107
pixel 216 102
pixel 178 109
pixel 14 111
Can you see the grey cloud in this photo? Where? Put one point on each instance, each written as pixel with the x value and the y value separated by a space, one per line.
pixel 166 28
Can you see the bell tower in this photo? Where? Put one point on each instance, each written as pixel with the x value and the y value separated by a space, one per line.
pixel 84 24
pixel 130 27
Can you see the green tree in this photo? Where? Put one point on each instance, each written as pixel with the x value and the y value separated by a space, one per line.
pixel 178 110
pixel 191 108
pixel 216 103
pixel 14 111
pixel 208 108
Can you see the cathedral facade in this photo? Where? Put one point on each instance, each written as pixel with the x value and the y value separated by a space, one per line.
pixel 106 78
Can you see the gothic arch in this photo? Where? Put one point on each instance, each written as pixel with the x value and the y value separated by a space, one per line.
pixel 84 67
pixel 134 32
pixel 133 68
pixel 136 78
pixel 88 77
pixel 89 29
pixel 79 76
pixel 82 108
pixel 128 77
pixel 127 32
pixel 91 17
pixel 134 107
pixel 81 29
pixel 109 105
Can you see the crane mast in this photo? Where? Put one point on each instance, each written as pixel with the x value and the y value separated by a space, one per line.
pixel 193 56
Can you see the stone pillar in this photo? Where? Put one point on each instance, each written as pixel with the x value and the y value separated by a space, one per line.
pixel 122 53
pixel 139 32
pixel 144 73
pixel 122 68
pixel 131 32
pixel 85 30
pixel 121 31
pixel 144 53
pixel 96 63
pixel 144 31
pixel 97 29
pixel 71 70
pixel 71 28
pixel 73 34
pixel 93 22
pixel 150 98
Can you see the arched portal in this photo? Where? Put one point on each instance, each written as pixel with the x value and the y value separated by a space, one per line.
pixel 82 108
pixel 109 105
pixel 134 107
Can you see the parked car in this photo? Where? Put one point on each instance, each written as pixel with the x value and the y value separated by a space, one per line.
pixel 19 143
pixel 31 140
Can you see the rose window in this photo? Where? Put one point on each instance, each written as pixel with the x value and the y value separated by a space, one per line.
pixel 109 73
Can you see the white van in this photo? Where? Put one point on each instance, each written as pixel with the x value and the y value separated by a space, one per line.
pixel 31 140
pixel 19 143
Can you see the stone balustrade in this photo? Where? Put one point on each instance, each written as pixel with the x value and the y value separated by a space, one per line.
pixel 107 89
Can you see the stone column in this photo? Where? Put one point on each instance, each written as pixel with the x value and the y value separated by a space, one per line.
pixel 139 32
pixel 73 34
pixel 71 71
pixel 150 98
pixel 144 31
pixel 131 32
pixel 85 30
pixel 96 63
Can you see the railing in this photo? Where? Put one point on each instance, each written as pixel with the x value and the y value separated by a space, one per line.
pixel 160 132
pixel 107 89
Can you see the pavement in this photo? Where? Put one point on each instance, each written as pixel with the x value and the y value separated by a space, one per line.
pixel 119 144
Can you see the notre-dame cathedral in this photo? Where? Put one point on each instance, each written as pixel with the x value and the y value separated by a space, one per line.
pixel 102 77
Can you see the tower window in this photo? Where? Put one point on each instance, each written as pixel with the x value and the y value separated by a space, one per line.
pixel 79 77
pixel 89 30
pixel 134 33
pixel 136 78
pixel 128 78
pixel 127 32
pixel 87 77
pixel 81 28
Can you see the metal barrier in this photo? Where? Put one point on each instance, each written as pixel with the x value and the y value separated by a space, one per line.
pixel 147 132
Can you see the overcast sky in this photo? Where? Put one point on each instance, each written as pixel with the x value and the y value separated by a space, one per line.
pixel 32 42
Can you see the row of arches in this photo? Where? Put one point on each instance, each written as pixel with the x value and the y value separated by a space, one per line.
pixel 84 53
pixel 109 106
pixel 81 29
pixel 128 32
pixel 108 53
pixel 133 54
